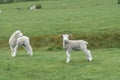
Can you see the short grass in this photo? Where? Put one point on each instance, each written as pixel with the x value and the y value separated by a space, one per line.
pixel 50 65
pixel 60 16
pixel 82 17
pixel 56 17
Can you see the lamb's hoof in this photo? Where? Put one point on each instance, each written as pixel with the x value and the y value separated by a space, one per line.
pixel 67 61
pixel 90 60
pixel 13 55
pixel 31 54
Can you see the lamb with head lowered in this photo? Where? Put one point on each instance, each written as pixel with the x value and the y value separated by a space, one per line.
pixel 16 40
pixel 76 45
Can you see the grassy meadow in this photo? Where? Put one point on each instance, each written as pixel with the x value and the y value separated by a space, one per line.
pixel 90 20
pixel 50 65
pixel 96 21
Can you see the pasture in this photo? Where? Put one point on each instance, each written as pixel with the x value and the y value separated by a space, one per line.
pixel 90 20
pixel 96 21
pixel 50 65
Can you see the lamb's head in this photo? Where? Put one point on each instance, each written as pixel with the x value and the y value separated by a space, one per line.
pixel 65 37
pixel 18 33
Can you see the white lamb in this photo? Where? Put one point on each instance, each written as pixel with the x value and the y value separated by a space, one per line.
pixel 17 39
pixel 69 45
pixel 33 7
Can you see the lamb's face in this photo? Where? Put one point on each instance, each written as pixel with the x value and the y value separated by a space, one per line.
pixel 65 37
pixel 18 33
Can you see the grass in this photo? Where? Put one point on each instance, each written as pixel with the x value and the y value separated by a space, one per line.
pixel 81 18
pixel 96 21
pixel 50 65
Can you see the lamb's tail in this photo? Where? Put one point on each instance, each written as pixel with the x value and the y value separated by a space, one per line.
pixel 85 42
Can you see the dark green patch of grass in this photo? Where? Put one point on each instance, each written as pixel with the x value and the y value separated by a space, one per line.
pixel 54 42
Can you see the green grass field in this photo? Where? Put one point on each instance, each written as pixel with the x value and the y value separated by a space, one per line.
pixel 50 65
pixel 96 21
pixel 62 16
pixel 84 19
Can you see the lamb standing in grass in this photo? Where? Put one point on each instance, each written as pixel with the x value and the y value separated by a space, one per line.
pixel 33 7
pixel 69 45
pixel 17 39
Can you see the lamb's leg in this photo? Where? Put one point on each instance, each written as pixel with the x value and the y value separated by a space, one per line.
pixel 28 48
pixel 14 51
pixel 11 48
pixel 68 56
pixel 87 52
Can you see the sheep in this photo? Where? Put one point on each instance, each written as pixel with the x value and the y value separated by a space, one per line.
pixel 69 45
pixel 33 7
pixel 17 40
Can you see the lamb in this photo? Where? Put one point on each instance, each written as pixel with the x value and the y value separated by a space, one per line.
pixel 70 45
pixel 16 40
pixel 33 7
